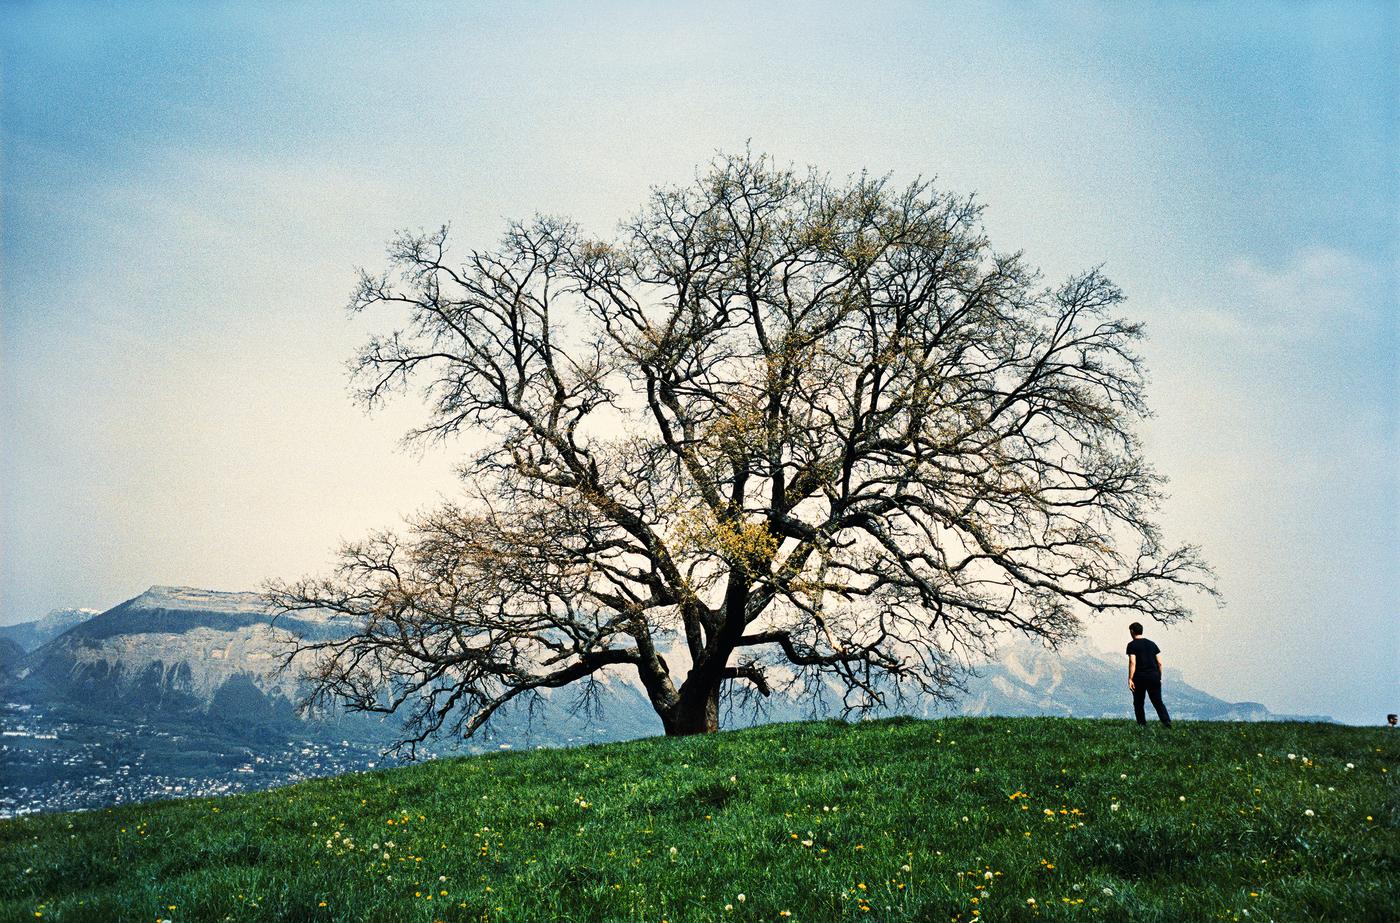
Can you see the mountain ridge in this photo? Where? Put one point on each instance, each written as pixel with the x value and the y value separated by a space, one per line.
pixel 191 641
pixel 178 691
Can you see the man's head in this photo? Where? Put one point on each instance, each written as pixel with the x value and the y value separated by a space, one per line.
pixel 1135 629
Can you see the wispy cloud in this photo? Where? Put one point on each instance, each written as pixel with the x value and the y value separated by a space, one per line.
pixel 1316 292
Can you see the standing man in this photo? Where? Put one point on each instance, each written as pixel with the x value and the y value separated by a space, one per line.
pixel 1145 675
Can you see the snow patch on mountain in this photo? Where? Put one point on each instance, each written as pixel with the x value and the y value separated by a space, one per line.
pixel 63 619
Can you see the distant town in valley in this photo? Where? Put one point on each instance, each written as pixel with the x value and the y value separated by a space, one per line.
pixel 59 760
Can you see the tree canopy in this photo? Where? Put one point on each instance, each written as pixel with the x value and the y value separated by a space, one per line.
pixel 779 428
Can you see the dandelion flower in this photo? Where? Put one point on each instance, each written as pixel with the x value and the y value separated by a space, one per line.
pixel 740 898
pixel 1113 807
pixel 1181 798
pixel 1309 813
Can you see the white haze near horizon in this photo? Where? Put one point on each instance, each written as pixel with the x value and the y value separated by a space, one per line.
pixel 186 193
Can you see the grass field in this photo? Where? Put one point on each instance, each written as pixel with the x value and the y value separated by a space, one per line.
pixel 953 820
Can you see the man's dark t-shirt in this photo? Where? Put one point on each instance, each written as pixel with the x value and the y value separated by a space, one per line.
pixel 1146 653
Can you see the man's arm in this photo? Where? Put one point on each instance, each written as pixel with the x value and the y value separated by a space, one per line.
pixel 1132 668
pixel 1160 671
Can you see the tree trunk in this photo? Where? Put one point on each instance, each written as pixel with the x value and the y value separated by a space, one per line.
pixel 697 712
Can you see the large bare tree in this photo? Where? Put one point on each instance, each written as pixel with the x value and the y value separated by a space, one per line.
pixel 779 427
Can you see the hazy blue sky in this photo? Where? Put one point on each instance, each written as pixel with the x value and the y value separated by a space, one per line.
pixel 188 187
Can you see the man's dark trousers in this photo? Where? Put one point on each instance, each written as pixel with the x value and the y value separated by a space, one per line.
pixel 1144 686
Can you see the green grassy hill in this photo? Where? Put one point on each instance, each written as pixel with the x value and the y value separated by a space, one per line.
pixel 954 820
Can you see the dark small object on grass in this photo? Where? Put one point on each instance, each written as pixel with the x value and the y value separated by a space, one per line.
pixel 1391 719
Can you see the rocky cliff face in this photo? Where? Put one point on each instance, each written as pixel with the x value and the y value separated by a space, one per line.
pixel 170 649
pixel 179 654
